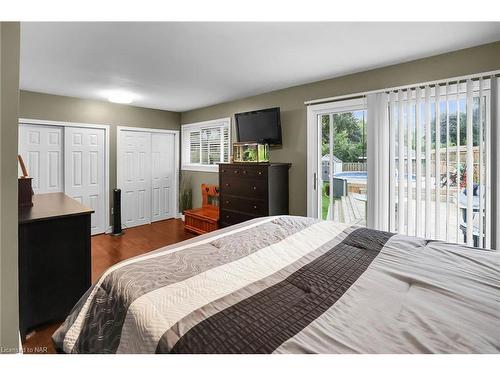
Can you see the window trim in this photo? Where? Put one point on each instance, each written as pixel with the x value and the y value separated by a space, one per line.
pixel 186 129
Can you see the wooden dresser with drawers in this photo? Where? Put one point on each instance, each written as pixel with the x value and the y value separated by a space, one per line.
pixel 248 191
pixel 54 259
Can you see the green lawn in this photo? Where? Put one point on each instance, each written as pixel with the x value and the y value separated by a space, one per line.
pixel 325 202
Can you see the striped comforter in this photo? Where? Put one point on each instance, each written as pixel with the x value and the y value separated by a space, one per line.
pixel 293 285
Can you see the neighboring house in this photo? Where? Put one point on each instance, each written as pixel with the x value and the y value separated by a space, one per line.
pixel 325 166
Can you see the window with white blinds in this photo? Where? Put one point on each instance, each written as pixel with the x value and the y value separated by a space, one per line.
pixel 206 144
pixel 440 162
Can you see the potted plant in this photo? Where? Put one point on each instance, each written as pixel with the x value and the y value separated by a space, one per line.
pixel 186 195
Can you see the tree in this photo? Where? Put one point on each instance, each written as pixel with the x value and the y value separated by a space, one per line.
pixel 349 142
pixel 453 130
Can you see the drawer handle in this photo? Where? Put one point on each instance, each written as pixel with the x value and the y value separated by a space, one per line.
pixel 260 172
pixel 255 206
pixel 227 216
pixel 227 185
pixel 244 172
pixel 254 187
pixel 223 171
pixel 236 171
pixel 227 202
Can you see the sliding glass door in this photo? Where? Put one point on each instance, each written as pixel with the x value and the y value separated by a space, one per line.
pixel 427 170
pixel 341 164
pixel 440 188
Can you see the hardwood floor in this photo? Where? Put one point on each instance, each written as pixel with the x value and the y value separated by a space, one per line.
pixel 108 250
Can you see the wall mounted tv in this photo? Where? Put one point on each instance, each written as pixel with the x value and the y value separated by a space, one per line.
pixel 259 126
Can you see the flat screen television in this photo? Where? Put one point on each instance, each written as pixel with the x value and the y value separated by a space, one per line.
pixel 262 126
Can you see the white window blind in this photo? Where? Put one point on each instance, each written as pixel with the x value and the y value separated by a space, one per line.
pixel 194 147
pixel 206 144
pixel 439 162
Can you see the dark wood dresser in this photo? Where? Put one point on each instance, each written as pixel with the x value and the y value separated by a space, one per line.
pixel 248 191
pixel 54 258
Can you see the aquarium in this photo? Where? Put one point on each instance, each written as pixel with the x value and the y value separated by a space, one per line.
pixel 244 152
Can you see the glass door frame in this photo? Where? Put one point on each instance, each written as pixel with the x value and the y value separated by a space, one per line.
pixel 314 113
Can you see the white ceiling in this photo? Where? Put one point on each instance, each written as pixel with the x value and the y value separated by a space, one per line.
pixel 182 66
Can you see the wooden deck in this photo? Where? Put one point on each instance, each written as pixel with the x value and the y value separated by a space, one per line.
pixel 349 210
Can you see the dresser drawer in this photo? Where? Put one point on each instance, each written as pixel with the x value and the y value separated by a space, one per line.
pixel 255 188
pixel 247 205
pixel 252 190
pixel 230 218
pixel 252 171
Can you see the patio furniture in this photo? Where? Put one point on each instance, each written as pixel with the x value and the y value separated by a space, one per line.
pixel 478 192
pixel 475 232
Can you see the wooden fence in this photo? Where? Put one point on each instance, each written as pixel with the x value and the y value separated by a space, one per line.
pixel 354 167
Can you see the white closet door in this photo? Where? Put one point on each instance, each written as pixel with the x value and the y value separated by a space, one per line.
pixel 84 175
pixel 163 169
pixel 134 177
pixel 41 148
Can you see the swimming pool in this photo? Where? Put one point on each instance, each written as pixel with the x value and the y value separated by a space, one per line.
pixel 358 177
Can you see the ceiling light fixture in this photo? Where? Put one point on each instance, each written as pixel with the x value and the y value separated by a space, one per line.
pixel 119 96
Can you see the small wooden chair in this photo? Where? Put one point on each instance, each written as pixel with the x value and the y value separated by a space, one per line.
pixel 204 219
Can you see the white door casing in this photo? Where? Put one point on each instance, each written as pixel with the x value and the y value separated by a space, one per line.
pixel 42 150
pixel 134 169
pixel 162 175
pixel 84 167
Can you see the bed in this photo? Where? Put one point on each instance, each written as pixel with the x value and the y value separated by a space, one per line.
pixel 290 284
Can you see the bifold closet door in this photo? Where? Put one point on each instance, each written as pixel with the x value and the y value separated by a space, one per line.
pixel 134 177
pixel 42 150
pixel 162 173
pixel 84 175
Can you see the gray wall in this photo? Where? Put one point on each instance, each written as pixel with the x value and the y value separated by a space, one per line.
pixel 293 111
pixel 291 101
pixel 62 108
pixel 9 105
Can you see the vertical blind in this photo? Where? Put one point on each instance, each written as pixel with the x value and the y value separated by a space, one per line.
pixel 440 162
pixel 379 139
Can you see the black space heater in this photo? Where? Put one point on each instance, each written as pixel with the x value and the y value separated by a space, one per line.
pixel 117 213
